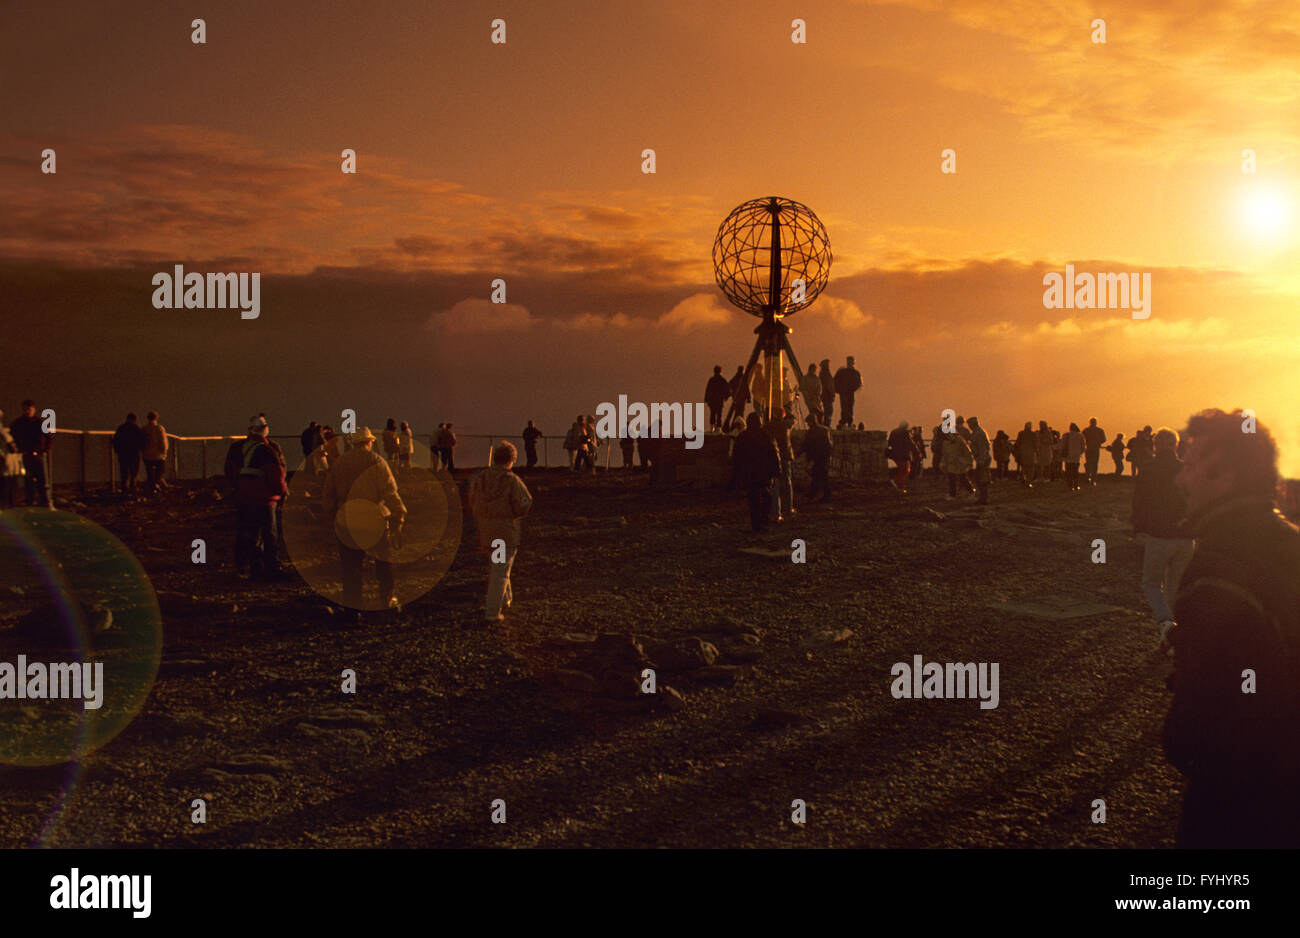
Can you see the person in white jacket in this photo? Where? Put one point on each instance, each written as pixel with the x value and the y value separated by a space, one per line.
pixel 499 500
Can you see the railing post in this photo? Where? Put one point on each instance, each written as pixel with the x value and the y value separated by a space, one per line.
pixel 203 454
pixel 546 452
pixel 81 472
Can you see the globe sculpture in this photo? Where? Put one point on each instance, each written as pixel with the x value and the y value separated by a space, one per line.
pixel 771 258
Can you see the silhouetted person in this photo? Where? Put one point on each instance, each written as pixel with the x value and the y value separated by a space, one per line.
pixel 308 438
pixel 739 390
pixel 817 447
pixel 1058 456
pixel 918 447
pixel 828 391
pixel 847 382
pixel 957 462
pixel 1116 450
pixel 1002 453
pixel 982 451
pixel 405 445
pixel 499 500
pixel 757 463
pixel 811 387
pixel 11 468
pixel 447 447
pixel 627 446
pixel 900 450
pixel 128 444
pixel 1072 449
pixel 1094 438
pixel 1235 717
pixel 1045 458
pixel 390 441
pixel 361 501
pixel 1027 454
pixel 1158 511
pixel 936 450
pixel 779 428
pixel 154 452
pixel 531 435
pixel 716 393
pixel 33 443
pixel 257 473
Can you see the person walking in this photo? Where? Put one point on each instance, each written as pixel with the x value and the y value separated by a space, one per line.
pixel 257 474
pixel 817 447
pixel 900 450
pixel 918 450
pixel 154 451
pixel 361 500
pixel 1094 438
pixel 128 444
pixel 716 393
pixel 1235 715
pixel 499 501
pixel 848 380
pixel 936 451
pixel 983 454
pixel 33 443
pixel 1158 511
pixel 531 435
pixel 756 463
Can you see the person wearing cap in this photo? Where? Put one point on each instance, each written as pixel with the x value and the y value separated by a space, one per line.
pixel 255 467
pixel 360 498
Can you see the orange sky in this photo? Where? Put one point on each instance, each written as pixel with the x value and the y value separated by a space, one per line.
pixel 522 161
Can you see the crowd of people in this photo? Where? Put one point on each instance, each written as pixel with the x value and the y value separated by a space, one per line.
pixel 1220 566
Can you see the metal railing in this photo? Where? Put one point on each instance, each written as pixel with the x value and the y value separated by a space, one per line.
pixel 86 457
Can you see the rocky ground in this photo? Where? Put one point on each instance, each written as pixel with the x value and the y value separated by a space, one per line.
pixel 779 675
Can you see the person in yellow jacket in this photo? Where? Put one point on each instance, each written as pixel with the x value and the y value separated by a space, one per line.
pixel 957 460
pixel 499 500
pixel 360 497
pixel 154 453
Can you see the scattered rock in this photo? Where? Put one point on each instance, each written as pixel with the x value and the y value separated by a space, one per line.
pixel 577 681
pixel 671 698
pixel 729 625
pixel 766 552
pixel 827 637
pixel 770 718
pixel 575 638
pixel 746 654
pixel 685 654
pixel 726 674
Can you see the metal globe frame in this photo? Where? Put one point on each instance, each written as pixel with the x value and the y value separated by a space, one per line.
pixel 763 248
